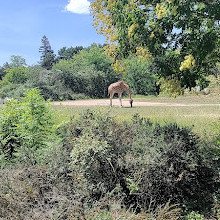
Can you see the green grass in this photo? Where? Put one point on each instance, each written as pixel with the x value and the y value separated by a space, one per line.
pixel 202 119
pixel 186 99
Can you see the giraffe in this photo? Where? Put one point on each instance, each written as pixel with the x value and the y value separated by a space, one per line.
pixel 119 87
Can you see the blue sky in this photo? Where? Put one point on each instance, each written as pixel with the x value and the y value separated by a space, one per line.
pixel 24 22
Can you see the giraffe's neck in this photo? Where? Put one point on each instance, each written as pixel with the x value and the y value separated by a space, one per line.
pixel 128 90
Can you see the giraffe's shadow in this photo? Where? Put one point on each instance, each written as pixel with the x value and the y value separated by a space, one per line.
pixel 129 107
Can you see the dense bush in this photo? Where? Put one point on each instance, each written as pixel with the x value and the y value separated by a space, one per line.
pixel 13 82
pixel 89 72
pixel 25 126
pixel 139 76
pixel 145 164
pixel 170 167
pixel 99 151
pixel 16 75
pixel 53 193
pixel 106 170
pixel 38 193
pixel 53 85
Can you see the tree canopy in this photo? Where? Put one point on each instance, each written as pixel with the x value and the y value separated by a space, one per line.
pixel 16 61
pixel 187 32
pixel 68 53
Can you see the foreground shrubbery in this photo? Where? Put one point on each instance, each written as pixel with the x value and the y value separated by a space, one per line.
pixel 148 164
pixel 106 170
pixel 26 127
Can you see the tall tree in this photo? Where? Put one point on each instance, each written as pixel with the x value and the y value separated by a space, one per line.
pixel 48 56
pixel 17 61
pixel 68 53
pixel 180 35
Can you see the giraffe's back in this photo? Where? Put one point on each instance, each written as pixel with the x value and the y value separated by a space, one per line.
pixel 117 87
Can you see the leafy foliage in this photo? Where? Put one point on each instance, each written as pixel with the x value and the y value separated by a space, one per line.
pixel 68 53
pixel 170 86
pixel 51 84
pixel 192 28
pixel 26 126
pixel 140 77
pixel 12 84
pixel 17 75
pixel 88 72
pixel 17 61
pixel 140 162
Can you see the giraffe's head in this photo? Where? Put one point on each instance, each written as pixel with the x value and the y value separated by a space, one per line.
pixel 131 102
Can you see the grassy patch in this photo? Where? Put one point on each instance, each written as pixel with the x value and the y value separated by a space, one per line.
pixel 201 118
pixel 186 99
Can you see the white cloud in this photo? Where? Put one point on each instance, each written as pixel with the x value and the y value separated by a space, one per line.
pixel 78 6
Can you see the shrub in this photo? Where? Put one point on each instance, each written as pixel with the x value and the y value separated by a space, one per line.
pixel 144 163
pixel 194 215
pixel 103 169
pixel 13 82
pixel 10 140
pixel 88 72
pixel 170 166
pixel 17 75
pixel 48 192
pixel 53 85
pixel 25 126
pixel 171 86
pixel 39 193
pixel 98 142
pixel 139 77
pixel 214 84
pixel 92 159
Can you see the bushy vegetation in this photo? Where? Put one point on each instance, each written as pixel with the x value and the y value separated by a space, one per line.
pixel 25 128
pixel 140 76
pixel 94 167
pixel 145 161
pixel 86 74
pixel 13 80
pixel 80 73
pixel 101 168
pixel 181 36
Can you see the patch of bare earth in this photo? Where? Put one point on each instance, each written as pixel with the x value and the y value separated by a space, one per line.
pixel 125 102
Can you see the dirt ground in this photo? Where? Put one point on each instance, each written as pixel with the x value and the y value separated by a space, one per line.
pixel 125 102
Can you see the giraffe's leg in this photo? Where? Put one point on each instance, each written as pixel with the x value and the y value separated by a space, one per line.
pixel 120 95
pixel 111 96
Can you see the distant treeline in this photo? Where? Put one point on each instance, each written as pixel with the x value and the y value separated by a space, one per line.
pixel 75 73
